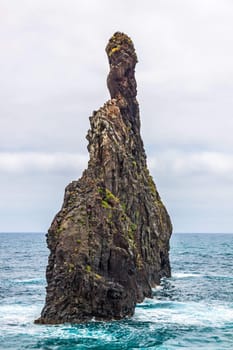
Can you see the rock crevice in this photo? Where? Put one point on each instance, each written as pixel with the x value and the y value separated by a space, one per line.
pixel 109 243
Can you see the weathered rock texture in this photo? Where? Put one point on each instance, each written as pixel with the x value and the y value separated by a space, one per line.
pixel 109 243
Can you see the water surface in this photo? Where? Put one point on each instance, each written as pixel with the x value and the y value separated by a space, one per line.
pixel 191 310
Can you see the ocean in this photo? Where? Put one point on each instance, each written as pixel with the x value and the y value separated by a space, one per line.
pixel 191 310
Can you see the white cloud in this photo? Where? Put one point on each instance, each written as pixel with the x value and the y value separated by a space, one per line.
pixel 196 187
pixel 181 163
pixel 34 162
pixel 174 162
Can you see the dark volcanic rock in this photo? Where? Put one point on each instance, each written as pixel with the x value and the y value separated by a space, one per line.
pixel 109 244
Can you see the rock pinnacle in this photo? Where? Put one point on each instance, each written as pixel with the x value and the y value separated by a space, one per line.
pixel 109 243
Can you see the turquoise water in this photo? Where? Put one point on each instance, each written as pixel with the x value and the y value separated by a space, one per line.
pixel 191 310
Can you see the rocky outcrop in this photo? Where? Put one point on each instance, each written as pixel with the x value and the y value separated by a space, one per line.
pixel 109 244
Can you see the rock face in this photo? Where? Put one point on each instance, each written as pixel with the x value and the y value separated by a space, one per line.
pixel 109 244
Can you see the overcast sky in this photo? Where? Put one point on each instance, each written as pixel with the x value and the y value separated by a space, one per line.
pixel 53 70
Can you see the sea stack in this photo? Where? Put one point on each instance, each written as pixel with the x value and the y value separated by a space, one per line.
pixel 109 243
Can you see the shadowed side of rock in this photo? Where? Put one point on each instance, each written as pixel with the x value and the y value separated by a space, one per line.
pixel 109 244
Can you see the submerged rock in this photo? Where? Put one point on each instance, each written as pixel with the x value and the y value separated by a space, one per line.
pixel 109 244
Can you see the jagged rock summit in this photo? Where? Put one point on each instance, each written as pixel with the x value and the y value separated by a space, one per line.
pixel 109 243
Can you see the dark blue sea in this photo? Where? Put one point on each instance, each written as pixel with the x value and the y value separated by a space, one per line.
pixel 191 310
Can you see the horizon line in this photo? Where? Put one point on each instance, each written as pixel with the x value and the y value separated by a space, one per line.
pixel 173 233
